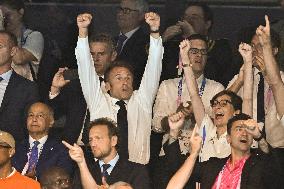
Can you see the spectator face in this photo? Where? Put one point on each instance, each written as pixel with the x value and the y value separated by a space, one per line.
pixel 223 110
pixel 102 55
pixel 13 18
pixel 197 55
pixel 128 16
pixel 195 16
pixel 120 83
pixel 5 154
pixel 59 181
pixel 239 139
pixel 101 144
pixel 39 120
pixel 6 51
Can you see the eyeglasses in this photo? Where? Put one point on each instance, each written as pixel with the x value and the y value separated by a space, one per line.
pixel 222 103
pixel 197 51
pixel 126 10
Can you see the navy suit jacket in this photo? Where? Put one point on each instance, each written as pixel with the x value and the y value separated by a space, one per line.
pixel 134 174
pixel 19 94
pixel 54 153
pixel 135 52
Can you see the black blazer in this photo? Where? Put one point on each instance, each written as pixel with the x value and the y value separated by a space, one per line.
pixel 54 153
pixel 71 104
pixel 135 51
pixel 19 94
pixel 134 174
pixel 260 172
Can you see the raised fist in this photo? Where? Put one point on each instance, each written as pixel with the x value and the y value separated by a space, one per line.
pixel 84 20
pixel 153 19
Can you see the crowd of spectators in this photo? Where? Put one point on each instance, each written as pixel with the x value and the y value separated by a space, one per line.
pixel 146 109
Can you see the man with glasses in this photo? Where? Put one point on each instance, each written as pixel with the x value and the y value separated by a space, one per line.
pixel 197 18
pixel 133 42
pixel 172 96
pixel 9 177
pixel 40 151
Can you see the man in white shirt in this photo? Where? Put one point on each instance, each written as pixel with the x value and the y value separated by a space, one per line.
pixel 118 81
pixel 39 151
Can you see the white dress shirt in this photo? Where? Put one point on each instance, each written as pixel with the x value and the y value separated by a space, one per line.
pixel 112 163
pixel 139 106
pixel 273 126
pixel 212 145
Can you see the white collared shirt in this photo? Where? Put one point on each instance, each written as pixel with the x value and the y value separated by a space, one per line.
pixel 4 83
pixel 112 163
pixel 273 126
pixel 128 35
pixel 140 104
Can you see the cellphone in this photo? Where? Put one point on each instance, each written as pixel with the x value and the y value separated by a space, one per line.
pixel 70 74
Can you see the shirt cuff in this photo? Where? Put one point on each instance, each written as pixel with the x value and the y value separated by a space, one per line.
pixel 52 96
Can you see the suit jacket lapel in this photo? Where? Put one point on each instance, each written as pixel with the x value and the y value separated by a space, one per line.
pixel 7 95
pixel 46 150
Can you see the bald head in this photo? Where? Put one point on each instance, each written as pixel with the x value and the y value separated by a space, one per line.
pixel 55 178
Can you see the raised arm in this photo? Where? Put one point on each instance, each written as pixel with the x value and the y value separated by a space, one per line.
pixel 182 176
pixel 246 52
pixel 197 105
pixel 88 77
pixel 150 81
pixel 271 71
pixel 77 154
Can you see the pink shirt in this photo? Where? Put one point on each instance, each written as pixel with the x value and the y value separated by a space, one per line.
pixel 230 176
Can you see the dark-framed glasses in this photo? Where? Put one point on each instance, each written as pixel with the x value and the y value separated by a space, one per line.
pixel 126 10
pixel 197 51
pixel 222 103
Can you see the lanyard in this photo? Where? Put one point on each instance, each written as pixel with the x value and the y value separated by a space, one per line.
pixel 200 92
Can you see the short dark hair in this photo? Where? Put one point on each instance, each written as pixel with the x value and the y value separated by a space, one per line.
pixel 275 39
pixel 236 99
pixel 198 36
pixel 103 38
pixel 116 64
pixel 235 118
pixel 207 11
pixel 12 39
pixel 13 4
pixel 47 175
pixel 110 124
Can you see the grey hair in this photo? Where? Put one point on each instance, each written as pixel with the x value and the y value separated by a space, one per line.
pixel 142 6
pixel 119 183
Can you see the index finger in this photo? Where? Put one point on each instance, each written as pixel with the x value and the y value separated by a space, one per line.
pixel 267 23
pixel 69 146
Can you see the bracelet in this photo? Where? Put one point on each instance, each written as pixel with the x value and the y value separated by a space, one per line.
pixel 186 65
pixel 259 138
pixel 155 31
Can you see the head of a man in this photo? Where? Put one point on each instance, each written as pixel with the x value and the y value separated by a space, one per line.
pixel 130 14
pixel 103 138
pixel 237 136
pixel 257 48
pixel 102 48
pixel 119 80
pixel 7 148
pixel 13 11
pixel 225 105
pixel 8 48
pixel 40 119
pixel 200 16
pixel 55 178
pixel 197 53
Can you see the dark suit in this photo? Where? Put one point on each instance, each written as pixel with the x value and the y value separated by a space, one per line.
pixel 53 153
pixel 71 104
pixel 260 172
pixel 19 94
pixel 135 52
pixel 134 174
